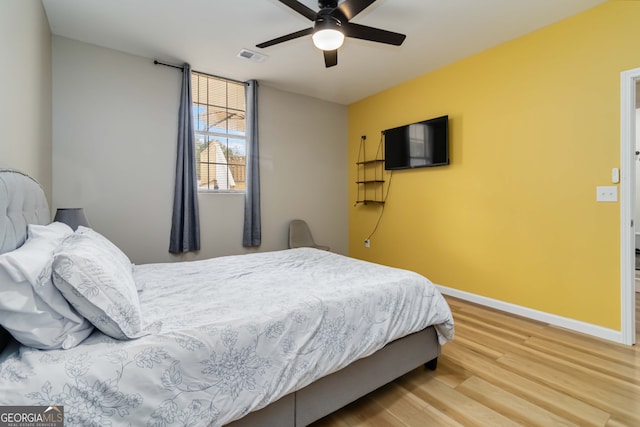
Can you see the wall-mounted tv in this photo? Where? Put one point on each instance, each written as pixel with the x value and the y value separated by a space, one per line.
pixel 417 145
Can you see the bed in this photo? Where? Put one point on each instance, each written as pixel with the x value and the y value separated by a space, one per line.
pixel 277 338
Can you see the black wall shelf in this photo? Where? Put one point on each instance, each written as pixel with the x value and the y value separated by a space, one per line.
pixel 370 175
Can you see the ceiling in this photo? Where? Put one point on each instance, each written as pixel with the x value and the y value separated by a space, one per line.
pixel 209 34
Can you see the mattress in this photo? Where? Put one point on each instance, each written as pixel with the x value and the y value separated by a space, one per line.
pixel 235 334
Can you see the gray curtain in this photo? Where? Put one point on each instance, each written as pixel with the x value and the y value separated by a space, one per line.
pixel 185 224
pixel 252 235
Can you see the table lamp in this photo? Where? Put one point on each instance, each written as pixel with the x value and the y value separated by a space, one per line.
pixel 73 217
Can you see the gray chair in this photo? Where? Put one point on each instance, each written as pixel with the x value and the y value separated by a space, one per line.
pixel 300 236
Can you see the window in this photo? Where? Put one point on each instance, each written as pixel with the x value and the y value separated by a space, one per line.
pixel 219 124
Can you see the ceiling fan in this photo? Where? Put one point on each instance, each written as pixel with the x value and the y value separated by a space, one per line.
pixel 331 26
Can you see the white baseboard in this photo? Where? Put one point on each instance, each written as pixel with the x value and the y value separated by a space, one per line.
pixel 552 319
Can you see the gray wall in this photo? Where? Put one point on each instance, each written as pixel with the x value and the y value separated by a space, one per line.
pixel 25 90
pixel 114 143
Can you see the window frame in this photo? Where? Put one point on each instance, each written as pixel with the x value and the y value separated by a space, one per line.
pixel 219 135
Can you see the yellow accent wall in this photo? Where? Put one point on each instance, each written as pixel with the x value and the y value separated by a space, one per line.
pixel 534 128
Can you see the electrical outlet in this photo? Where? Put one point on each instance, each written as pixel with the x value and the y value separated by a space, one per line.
pixel 367 243
pixel 607 193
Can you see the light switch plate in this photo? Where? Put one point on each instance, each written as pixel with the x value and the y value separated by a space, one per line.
pixel 607 193
pixel 615 175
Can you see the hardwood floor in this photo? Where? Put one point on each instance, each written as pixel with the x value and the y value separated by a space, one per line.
pixel 503 370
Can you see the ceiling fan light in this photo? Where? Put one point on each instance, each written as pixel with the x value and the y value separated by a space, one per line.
pixel 328 39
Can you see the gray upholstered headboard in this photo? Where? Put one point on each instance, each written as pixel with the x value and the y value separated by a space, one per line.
pixel 22 202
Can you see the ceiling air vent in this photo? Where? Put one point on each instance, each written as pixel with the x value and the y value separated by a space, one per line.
pixel 254 56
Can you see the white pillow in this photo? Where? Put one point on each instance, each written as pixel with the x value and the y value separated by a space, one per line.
pixel 28 261
pixel 98 281
pixel 53 230
pixel 31 308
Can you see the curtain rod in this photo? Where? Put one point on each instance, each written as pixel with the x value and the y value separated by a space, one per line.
pixel 156 62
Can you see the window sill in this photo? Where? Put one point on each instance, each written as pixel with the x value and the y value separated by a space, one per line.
pixel 240 192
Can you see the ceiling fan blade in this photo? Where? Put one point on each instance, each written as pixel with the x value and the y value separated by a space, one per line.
pixel 373 34
pixel 303 10
pixel 351 8
pixel 288 37
pixel 330 58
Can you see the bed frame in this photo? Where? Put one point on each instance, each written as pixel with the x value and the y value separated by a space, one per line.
pixel 334 391
pixel 299 408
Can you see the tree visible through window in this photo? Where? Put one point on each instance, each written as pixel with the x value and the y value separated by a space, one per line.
pixel 219 124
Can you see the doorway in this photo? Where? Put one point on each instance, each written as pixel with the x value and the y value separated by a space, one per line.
pixel 628 83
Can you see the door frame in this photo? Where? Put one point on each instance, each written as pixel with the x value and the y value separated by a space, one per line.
pixel 627 203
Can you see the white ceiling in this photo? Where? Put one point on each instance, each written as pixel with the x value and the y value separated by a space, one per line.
pixel 209 34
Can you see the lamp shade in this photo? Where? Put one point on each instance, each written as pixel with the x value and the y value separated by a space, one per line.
pixel 73 217
pixel 327 34
pixel 328 39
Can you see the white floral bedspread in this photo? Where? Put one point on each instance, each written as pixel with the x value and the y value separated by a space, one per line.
pixel 237 333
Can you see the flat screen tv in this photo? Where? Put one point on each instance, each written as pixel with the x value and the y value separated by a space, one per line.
pixel 417 145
